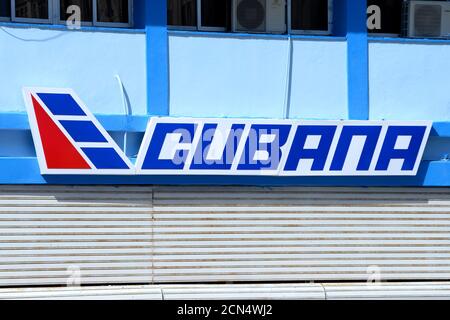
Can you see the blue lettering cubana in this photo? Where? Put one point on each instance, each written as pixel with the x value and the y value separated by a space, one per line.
pixel 282 147
pixel 69 140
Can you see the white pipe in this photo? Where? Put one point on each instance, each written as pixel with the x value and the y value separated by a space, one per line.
pixel 126 109
pixel 287 93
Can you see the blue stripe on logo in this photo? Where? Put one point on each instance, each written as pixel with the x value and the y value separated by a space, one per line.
pixel 83 131
pixel 105 158
pixel 61 104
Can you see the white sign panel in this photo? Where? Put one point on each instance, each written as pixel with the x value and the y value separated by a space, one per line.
pixel 186 146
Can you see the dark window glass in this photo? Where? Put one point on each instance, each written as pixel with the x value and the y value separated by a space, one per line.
pixel 33 9
pixel 391 16
pixel 182 12
pixel 5 8
pixel 112 11
pixel 309 15
pixel 85 6
pixel 215 13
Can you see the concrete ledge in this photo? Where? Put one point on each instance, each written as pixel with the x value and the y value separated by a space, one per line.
pixel 313 291
pixel 244 292
pixel 135 292
pixel 396 291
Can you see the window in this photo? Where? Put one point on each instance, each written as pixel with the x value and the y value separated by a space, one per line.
pixel 306 16
pixel 5 9
pixel 210 15
pixel 390 17
pixel 182 13
pixel 311 16
pixel 85 6
pixel 112 13
pixel 31 10
pixel 214 15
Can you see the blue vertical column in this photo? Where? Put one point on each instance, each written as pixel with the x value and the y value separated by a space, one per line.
pixel 350 21
pixel 157 57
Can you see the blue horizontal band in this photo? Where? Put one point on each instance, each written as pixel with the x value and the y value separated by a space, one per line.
pixel 26 171
pixel 408 40
pixel 61 27
pixel 238 35
pixel 138 123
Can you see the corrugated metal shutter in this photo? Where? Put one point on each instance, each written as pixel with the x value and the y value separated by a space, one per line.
pixel 294 234
pixel 220 234
pixel 53 234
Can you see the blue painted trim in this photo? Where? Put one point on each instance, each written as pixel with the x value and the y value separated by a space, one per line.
pixel 26 171
pixel 157 57
pixel 61 27
pixel 409 40
pixel 357 60
pixel 212 34
pixel 136 123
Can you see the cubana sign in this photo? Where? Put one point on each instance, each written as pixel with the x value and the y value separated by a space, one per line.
pixel 70 140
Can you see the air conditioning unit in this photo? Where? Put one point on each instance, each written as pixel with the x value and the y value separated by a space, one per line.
pixel 259 16
pixel 428 19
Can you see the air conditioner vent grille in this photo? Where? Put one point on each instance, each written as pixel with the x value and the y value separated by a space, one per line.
pixel 427 20
pixel 251 14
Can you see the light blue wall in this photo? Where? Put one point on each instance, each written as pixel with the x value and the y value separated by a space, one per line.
pixel 227 77
pixel 85 61
pixel 213 76
pixel 409 81
pixel 319 80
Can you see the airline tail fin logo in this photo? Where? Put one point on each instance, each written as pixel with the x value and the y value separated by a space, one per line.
pixel 68 138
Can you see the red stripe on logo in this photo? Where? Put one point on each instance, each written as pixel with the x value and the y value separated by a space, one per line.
pixel 59 152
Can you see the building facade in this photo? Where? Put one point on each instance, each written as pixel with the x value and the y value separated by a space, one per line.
pixel 129 61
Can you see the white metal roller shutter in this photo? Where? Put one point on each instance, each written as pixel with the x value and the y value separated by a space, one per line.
pixel 53 234
pixel 219 234
pixel 205 234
